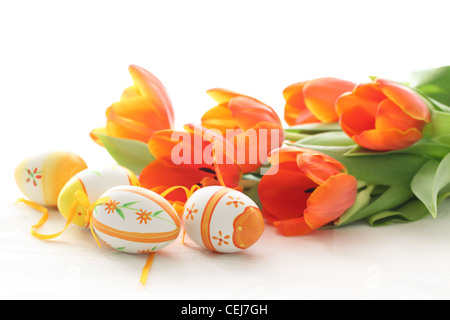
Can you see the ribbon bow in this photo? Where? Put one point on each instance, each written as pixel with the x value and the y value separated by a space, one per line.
pixel 80 199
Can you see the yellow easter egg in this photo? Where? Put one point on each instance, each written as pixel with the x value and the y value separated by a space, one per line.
pixel 42 177
pixel 87 186
pixel 135 220
pixel 221 219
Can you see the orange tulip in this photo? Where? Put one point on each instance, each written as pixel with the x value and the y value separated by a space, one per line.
pixel 143 109
pixel 314 100
pixel 305 190
pixel 196 156
pixel 257 128
pixel 383 115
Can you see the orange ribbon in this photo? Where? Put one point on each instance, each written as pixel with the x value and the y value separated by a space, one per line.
pixel 151 255
pixel 82 199
pixel 188 192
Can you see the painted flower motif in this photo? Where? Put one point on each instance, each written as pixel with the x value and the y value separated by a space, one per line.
pixel 305 190
pixel 143 216
pixel 222 239
pixel 314 100
pixel 256 126
pixel 33 175
pixel 111 206
pixel 190 212
pixel 143 109
pixel 235 202
pixel 383 115
pixel 147 251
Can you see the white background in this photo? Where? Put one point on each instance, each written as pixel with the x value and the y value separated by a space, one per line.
pixel 62 63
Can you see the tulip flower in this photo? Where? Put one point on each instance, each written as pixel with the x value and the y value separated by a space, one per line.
pixel 143 109
pixel 256 128
pixel 383 115
pixel 305 190
pixel 196 156
pixel 314 100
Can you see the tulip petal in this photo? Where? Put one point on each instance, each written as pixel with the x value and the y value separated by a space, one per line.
pixel 293 227
pixel 320 97
pixel 176 147
pixel 162 143
pixel 387 139
pixel 252 147
pixel 268 216
pixel 317 168
pixel 284 194
pixel 284 154
pixel 356 120
pixel 162 175
pixel 222 155
pixel 391 116
pixel 249 112
pixel 406 99
pixel 137 109
pixel 295 110
pixel 133 118
pixel 130 93
pixel 222 95
pixel 153 90
pixel 330 200
pixel 220 118
pixel 94 135
pixel 125 128
pixel 366 96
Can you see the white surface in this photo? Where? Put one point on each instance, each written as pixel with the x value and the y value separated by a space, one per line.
pixel 62 64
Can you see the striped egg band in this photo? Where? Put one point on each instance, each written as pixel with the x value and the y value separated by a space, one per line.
pixel 207 215
pixel 139 236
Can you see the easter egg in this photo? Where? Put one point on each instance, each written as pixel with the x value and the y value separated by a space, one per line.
pixel 92 183
pixel 135 220
pixel 221 219
pixel 42 177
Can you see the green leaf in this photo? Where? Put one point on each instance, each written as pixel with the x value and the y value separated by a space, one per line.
pixel 411 211
pixel 120 213
pixel 131 154
pixel 437 105
pixel 391 198
pixel 435 83
pixel 294 136
pixel 427 146
pixel 440 124
pixel 362 201
pixel 431 181
pixel 252 193
pixel 332 138
pixel 313 128
pixel 157 213
pixel 129 204
pixel 443 140
pixel 249 180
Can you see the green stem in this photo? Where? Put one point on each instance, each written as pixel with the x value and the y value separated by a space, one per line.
pixel 295 136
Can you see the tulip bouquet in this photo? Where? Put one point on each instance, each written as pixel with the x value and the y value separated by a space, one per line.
pixel 377 151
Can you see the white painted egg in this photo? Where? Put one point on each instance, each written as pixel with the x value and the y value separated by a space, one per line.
pixel 41 177
pixel 221 219
pixel 135 220
pixel 93 183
